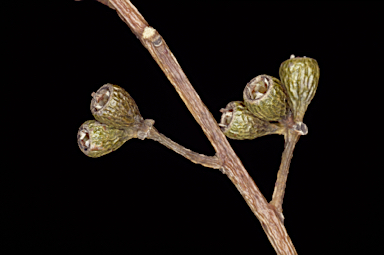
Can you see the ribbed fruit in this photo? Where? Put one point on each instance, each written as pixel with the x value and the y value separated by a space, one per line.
pixel 265 98
pixel 112 105
pixel 299 77
pixel 96 139
pixel 237 122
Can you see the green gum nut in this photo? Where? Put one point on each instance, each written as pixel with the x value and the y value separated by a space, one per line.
pixel 237 122
pixel 96 139
pixel 299 77
pixel 265 98
pixel 112 105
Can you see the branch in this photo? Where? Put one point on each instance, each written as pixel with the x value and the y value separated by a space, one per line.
pixel 230 163
pixel 278 193
pixel 207 161
pixel 292 133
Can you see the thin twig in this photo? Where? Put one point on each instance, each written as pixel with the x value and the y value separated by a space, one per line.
pixel 231 164
pixel 291 139
pixel 207 161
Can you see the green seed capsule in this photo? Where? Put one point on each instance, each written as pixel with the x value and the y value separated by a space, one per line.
pixel 265 98
pixel 299 77
pixel 96 139
pixel 112 105
pixel 237 122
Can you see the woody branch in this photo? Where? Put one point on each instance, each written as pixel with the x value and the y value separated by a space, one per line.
pixel 230 163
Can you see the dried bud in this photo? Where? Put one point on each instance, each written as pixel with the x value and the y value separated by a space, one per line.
pixel 299 77
pixel 96 139
pixel 239 123
pixel 112 105
pixel 265 98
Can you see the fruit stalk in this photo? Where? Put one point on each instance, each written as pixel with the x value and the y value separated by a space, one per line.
pixel 291 138
pixel 207 161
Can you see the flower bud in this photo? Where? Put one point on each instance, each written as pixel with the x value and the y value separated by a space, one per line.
pixel 112 105
pixel 237 122
pixel 96 139
pixel 299 77
pixel 265 98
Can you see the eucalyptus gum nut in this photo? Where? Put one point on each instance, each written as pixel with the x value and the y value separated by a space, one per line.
pixel 265 98
pixel 112 105
pixel 96 139
pixel 237 122
pixel 299 77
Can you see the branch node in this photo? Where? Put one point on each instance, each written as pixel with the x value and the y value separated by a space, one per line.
pixel 145 128
pixel 148 33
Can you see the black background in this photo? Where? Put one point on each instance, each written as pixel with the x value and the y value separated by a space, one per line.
pixel 144 198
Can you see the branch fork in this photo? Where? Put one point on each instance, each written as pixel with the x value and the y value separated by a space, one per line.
pixel 269 214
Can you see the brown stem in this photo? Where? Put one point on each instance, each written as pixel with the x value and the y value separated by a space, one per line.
pixel 291 139
pixel 230 163
pixel 207 161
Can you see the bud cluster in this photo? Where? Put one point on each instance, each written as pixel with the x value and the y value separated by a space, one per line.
pixel 117 120
pixel 270 102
